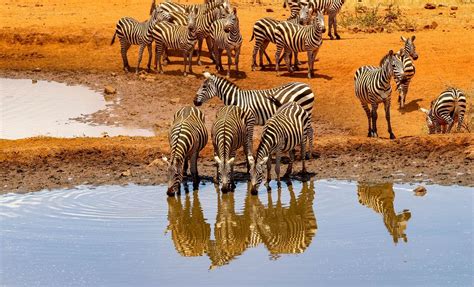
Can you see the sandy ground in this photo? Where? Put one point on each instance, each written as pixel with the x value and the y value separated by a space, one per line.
pixel 70 42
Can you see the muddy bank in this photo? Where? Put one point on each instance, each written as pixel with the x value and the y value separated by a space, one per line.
pixel 39 163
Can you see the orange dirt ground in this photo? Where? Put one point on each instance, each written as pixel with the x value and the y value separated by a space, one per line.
pixel 70 42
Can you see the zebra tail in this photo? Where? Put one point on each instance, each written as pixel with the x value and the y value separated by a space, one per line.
pixel 253 34
pixel 113 38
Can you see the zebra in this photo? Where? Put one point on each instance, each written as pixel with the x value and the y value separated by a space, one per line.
pixel 288 127
pixel 198 8
pixel 329 7
pixel 264 33
pixel 448 107
pixel 295 38
pixel 372 86
pixel 131 32
pixel 380 198
pixel 225 35
pixel 232 129
pixel 170 36
pixel 187 137
pixel 407 57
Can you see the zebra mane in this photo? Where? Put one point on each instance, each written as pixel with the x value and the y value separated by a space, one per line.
pixel 385 58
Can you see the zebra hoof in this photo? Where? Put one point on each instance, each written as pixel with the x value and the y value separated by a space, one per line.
pixel 392 136
pixel 338 37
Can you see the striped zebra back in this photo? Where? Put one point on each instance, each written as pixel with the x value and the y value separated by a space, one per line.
pixel 448 107
pixel 380 198
pixel 204 21
pixel 176 37
pixel 326 6
pixel 179 18
pixel 189 230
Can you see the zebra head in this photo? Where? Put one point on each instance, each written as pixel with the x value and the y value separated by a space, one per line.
pixel 304 16
pixel 192 28
pixel 256 172
pixel 429 120
pixel 318 21
pixel 232 21
pixel 207 90
pixel 175 175
pixel 224 168
pixel 160 15
pixel 410 48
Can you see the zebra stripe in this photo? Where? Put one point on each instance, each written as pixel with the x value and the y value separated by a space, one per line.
pixel 372 86
pixel 225 35
pixel 131 32
pixel 289 127
pixel 380 198
pixel 175 37
pixel 295 38
pixel 407 56
pixel 264 33
pixel 187 137
pixel 232 129
pixel 448 107
pixel 198 8
pixel 263 103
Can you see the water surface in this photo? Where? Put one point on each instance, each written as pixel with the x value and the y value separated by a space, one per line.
pixel 324 232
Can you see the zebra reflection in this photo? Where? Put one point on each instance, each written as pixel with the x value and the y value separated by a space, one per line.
pixel 380 198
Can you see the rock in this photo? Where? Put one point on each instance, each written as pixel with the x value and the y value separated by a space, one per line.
pixel 434 25
pixel 126 173
pixel 37 69
pixel 109 90
pixel 269 10
pixel 149 79
pixel 157 162
pixel 430 6
pixel 113 74
pixel 454 7
pixel 420 191
pixel 442 5
pixel 34 81
pixel 174 100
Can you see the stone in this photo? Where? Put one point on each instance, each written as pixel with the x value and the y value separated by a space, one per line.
pixel 420 191
pixel 37 69
pixel 126 173
pixel 430 6
pixel 174 100
pixel 109 90
pixel 269 10
pixel 34 81
pixel 454 7
pixel 434 25
pixel 113 74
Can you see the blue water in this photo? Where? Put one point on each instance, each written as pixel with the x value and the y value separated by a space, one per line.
pixel 323 233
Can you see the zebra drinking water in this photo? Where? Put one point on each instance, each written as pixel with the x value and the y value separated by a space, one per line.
pixel 372 86
pixel 289 127
pixel 131 32
pixel 232 129
pixel 295 38
pixel 450 106
pixel 187 137
pixel 407 57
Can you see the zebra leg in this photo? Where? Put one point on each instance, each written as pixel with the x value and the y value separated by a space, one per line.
pixel 460 120
pixel 277 165
pixel 199 51
pixel 194 170
pixel 289 169
pixel 210 49
pixel 387 117
pixel 288 61
pixel 310 63
pixel 334 23
pixel 185 167
pixel 310 135
pixel 330 25
pixel 229 61
pixel 450 125
pixel 277 57
pixel 367 112
pixel 124 46
pixel 140 54
pixel 303 154
pixel 237 56
pixel 190 60
pixel 265 53
pixel 269 171
pixel 185 61
pixel 296 62
pixel 256 49
pixel 374 120
pixel 150 55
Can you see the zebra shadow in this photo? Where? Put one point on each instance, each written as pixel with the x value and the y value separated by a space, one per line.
pixel 303 74
pixel 411 106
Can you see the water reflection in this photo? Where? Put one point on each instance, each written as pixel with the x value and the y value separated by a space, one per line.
pixel 281 228
pixel 380 198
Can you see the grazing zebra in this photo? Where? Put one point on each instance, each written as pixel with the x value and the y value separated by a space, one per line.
pixel 295 38
pixel 380 198
pixel 131 32
pixel 225 35
pixel 372 86
pixel 288 127
pixel 187 137
pixel 264 33
pixel 263 103
pixel 445 110
pixel 232 129
pixel 407 56
pixel 329 7
pixel 176 37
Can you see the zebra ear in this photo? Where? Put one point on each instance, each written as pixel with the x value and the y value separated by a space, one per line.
pixel 264 160
pixel 153 6
pixel 424 111
pixel 231 161
pixel 413 38
pixel 207 75
pixel 251 160
pixel 403 39
pixel 235 10
pixel 217 159
pixel 165 160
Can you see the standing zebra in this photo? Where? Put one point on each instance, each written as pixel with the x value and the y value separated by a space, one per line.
pixel 295 38
pixel 329 7
pixel 407 56
pixel 445 110
pixel 372 86
pixel 232 129
pixel 131 32
pixel 289 127
pixel 225 35
pixel 264 33
pixel 176 37
pixel 187 137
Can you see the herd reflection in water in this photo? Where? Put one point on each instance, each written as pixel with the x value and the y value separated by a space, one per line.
pixel 281 228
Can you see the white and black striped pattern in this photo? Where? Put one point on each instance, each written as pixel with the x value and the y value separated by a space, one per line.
pixel 263 103
pixel 225 35
pixel 131 32
pixel 264 33
pixel 182 8
pixel 179 18
pixel 232 129
pixel 175 37
pixel 407 56
pixel 289 127
pixel 449 107
pixel 372 86
pixel 329 7
pixel 296 38
pixel 187 137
